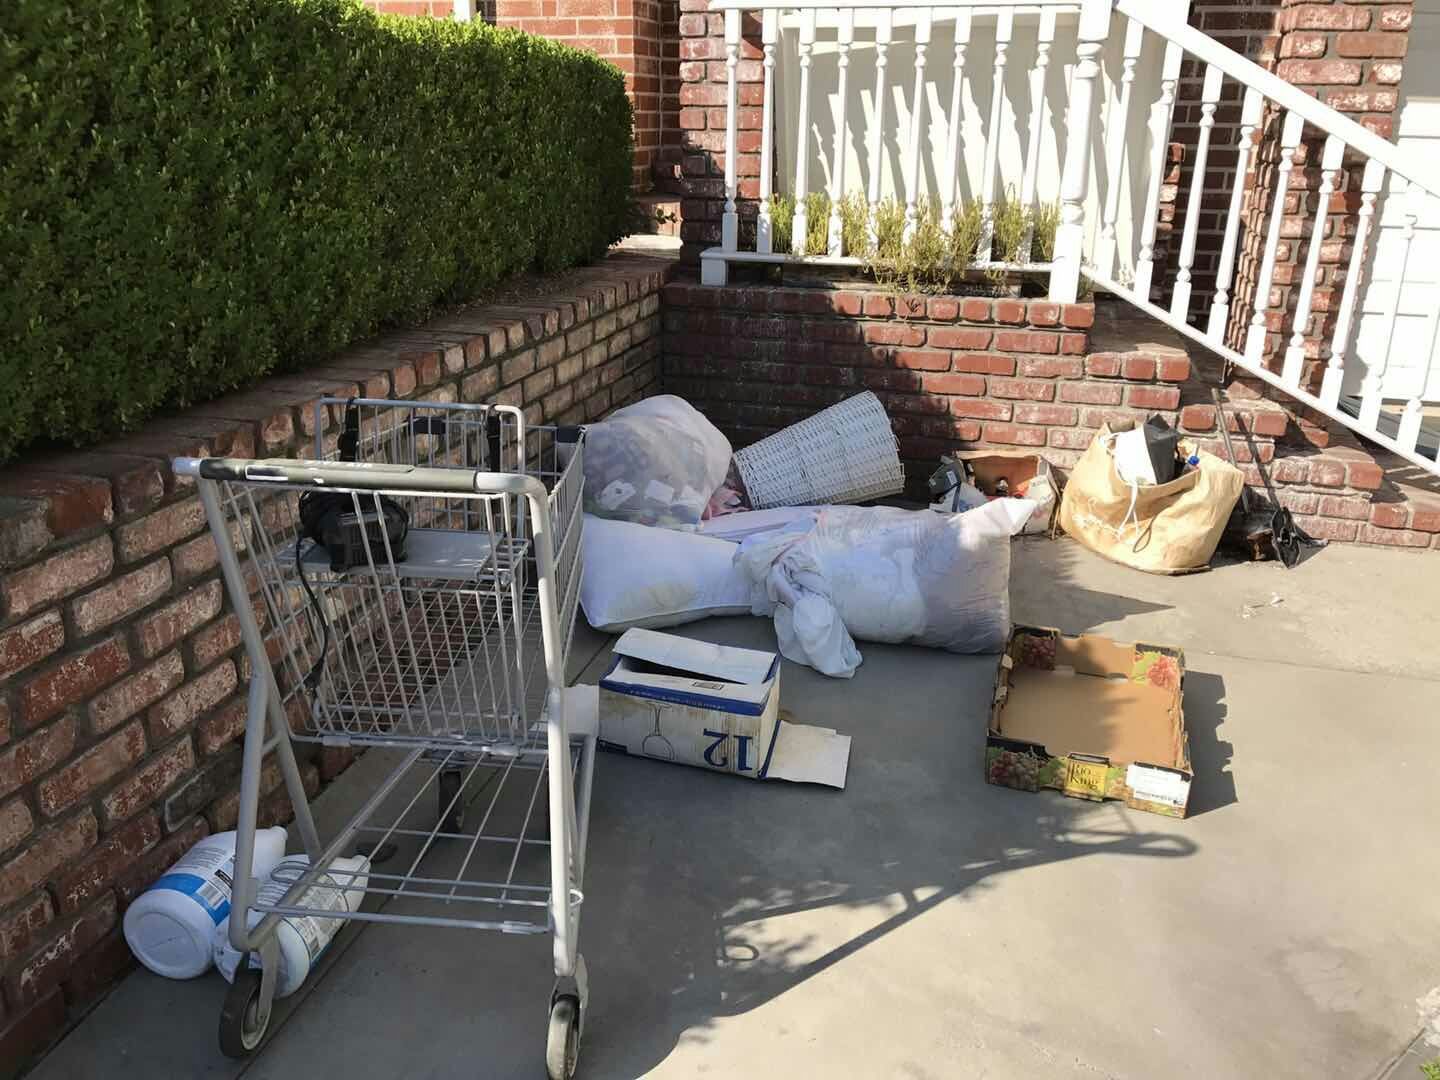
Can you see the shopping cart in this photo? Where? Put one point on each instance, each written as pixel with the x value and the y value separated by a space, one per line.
pixel 432 624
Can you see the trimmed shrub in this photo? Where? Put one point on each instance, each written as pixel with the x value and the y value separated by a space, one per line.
pixel 193 195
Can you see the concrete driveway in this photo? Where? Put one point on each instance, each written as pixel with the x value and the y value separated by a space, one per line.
pixel 922 924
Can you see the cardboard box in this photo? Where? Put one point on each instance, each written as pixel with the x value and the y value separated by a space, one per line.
pixel 1093 718
pixel 1027 474
pixel 712 706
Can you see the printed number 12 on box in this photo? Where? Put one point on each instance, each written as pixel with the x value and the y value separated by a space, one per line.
pixel 690 702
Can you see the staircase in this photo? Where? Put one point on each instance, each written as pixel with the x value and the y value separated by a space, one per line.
pixel 1099 146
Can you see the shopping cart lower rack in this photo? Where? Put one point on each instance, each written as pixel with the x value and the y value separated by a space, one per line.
pixel 432 625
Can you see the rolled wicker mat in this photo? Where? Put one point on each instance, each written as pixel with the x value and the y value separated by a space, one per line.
pixel 844 454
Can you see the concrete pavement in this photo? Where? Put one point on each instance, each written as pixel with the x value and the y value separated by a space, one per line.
pixel 923 924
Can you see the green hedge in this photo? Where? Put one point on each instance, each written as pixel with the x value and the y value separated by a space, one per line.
pixel 195 194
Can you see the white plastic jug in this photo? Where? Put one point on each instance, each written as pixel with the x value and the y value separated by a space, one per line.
pixel 169 928
pixel 302 938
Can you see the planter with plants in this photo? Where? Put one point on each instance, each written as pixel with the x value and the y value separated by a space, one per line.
pixel 1008 253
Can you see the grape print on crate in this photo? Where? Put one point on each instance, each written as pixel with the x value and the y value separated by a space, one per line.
pixel 1157 669
pixel 1037 649
pixel 1013 770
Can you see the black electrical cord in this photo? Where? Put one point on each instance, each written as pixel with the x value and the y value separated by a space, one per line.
pixel 312 679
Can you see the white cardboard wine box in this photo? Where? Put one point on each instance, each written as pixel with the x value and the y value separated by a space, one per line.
pixel 716 707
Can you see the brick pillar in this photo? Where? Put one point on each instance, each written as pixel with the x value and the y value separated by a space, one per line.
pixel 625 32
pixel 435 9
pixel 1349 55
pixel 668 153
pixel 1250 29
pixel 644 84
pixel 630 34
pixel 702 126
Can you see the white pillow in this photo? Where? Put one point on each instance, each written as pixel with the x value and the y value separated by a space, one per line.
pixel 639 575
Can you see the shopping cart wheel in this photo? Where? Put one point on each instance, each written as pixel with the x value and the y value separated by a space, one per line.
pixel 452 818
pixel 242 1026
pixel 562 1041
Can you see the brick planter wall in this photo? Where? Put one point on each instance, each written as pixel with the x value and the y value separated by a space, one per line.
pixel 951 371
pixel 973 372
pixel 121 671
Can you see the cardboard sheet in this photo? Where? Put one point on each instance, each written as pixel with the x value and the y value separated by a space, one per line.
pixel 810 755
pixel 726 662
pixel 1087 714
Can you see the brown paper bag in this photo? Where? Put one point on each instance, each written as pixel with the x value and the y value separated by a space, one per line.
pixel 1172 528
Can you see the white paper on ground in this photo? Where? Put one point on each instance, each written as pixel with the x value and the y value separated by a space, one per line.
pixel 718 661
pixel 810 755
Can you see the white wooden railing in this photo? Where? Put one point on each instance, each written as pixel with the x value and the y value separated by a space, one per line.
pixel 847 30
pixel 1346 151
pixel 1124 62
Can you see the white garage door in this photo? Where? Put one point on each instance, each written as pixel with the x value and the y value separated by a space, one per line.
pixel 1413 368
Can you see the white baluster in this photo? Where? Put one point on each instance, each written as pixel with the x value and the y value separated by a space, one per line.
pixel 1370 185
pixel 464 10
pixel 1409 434
pixel 1075 179
pixel 1225 273
pixel 1161 115
pixel 1295 352
pixel 1044 39
pixel 800 224
pixel 764 228
pixel 917 120
pixel 1289 143
pixel 1116 141
pixel 955 144
pixel 1410 418
pixel 1373 386
pixel 1004 30
pixel 883 21
pixel 835 243
pixel 1209 97
pixel 730 220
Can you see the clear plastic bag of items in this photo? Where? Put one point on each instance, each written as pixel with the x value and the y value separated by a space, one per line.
pixel 656 462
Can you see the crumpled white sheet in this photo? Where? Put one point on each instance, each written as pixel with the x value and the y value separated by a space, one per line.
pixel 883 574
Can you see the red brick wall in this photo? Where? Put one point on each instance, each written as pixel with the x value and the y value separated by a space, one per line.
pixel 950 370
pixel 1250 29
pixel 637 36
pixel 121 672
pixel 968 372
pixel 436 9
pixel 625 32
pixel 646 88
pixel 669 150
pixel 1348 55
pixel 703 81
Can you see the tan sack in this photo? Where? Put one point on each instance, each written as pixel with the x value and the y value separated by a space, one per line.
pixel 1160 528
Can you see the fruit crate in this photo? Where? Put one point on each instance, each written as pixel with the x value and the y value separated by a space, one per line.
pixel 1091 718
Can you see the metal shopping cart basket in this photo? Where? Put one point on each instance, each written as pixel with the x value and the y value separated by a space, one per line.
pixel 432 623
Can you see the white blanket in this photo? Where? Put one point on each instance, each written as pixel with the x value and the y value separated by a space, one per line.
pixel 883 574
